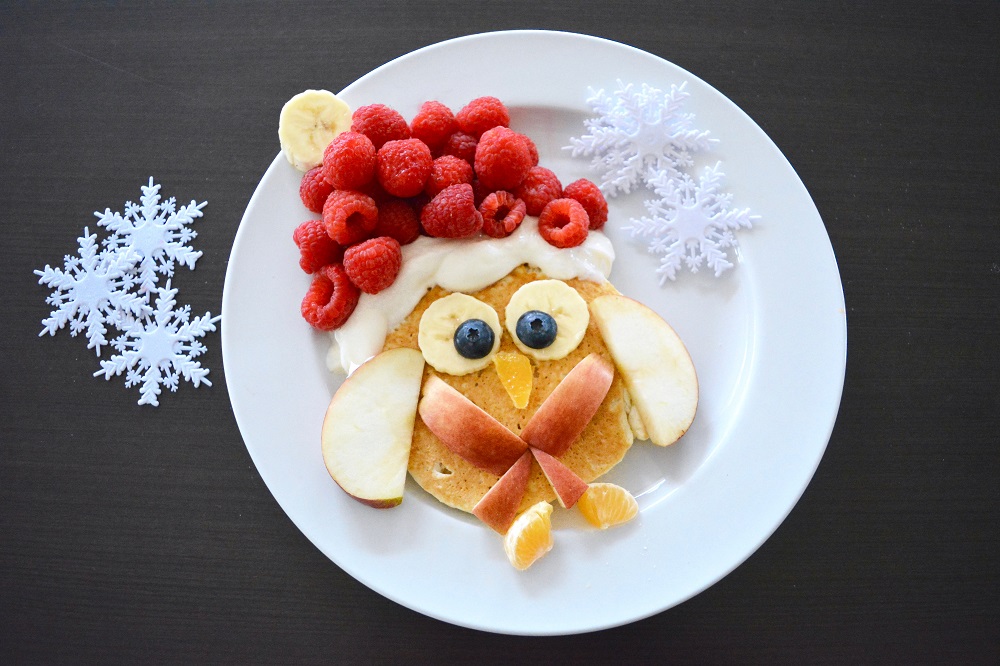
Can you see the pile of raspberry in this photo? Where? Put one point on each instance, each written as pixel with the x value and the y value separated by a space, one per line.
pixel 386 182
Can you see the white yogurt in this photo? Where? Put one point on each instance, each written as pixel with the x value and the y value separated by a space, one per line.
pixel 465 265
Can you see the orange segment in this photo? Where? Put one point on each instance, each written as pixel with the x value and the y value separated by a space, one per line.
pixel 514 369
pixel 530 536
pixel 605 504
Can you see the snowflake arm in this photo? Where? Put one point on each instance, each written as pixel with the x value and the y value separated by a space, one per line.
pixel 150 390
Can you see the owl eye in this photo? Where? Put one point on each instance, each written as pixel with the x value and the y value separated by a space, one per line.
pixel 459 334
pixel 474 339
pixel 536 329
pixel 547 319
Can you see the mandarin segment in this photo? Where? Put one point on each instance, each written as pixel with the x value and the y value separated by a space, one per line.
pixel 530 537
pixel 515 374
pixel 605 505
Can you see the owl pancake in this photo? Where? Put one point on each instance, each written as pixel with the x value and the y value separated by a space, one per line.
pixel 603 443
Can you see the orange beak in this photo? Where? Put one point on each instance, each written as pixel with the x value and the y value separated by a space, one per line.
pixel 516 375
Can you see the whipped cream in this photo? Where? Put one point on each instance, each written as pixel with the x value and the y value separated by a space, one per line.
pixel 464 265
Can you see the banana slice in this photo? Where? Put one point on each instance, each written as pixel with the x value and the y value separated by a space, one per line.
pixel 308 123
pixel 547 319
pixel 477 326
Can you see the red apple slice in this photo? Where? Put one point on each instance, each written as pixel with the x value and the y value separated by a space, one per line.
pixel 654 362
pixel 368 427
pixel 466 429
pixel 498 507
pixel 569 408
pixel 568 486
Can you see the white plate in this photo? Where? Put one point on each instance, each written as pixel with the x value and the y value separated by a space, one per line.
pixel 768 339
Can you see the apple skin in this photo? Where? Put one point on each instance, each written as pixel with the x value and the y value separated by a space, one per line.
pixel 467 430
pixel 568 486
pixel 368 427
pixel 654 363
pixel 498 507
pixel 380 504
pixel 569 408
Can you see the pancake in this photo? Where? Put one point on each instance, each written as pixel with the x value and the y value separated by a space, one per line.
pixel 603 443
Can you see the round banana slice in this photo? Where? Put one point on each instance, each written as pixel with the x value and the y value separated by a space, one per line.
pixel 547 319
pixel 445 329
pixel 308 123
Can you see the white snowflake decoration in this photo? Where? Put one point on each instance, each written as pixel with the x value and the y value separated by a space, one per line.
pixel 111 287
pixel 638 133
pixel 642 137
pixel 158 350
pixel 90 291
pixel 157 232
pixel 691 223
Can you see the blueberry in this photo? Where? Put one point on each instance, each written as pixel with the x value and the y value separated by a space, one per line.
pixel 474 338
pixel 536 329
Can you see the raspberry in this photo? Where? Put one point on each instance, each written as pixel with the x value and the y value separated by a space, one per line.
pixel 313 190
pixel 502 159
pixel 374 264
pixel 461 145
pixel 433 124
pixel 539 187
pixel 398 219
pixel 502 213
pixel 380 124
pixel 349 216
pixel 452 213
pixel 482 114
pixel 331 298
pixel 532 150
pixel 592 200
pixel 349 161
pixel 403 167
pixel 563 223
pixel 447 170
pixel 316 248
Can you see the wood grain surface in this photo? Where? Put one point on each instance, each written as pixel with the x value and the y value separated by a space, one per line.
pixel 139 535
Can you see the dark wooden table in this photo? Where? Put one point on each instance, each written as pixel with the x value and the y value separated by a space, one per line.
pixel 138 534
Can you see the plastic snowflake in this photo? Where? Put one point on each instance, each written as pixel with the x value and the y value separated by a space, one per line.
pixel 92 290
pixel 642 138
pixel 691 223
pixel 159 349
pixel 638 133
pixel 157 232
pixel 112 286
